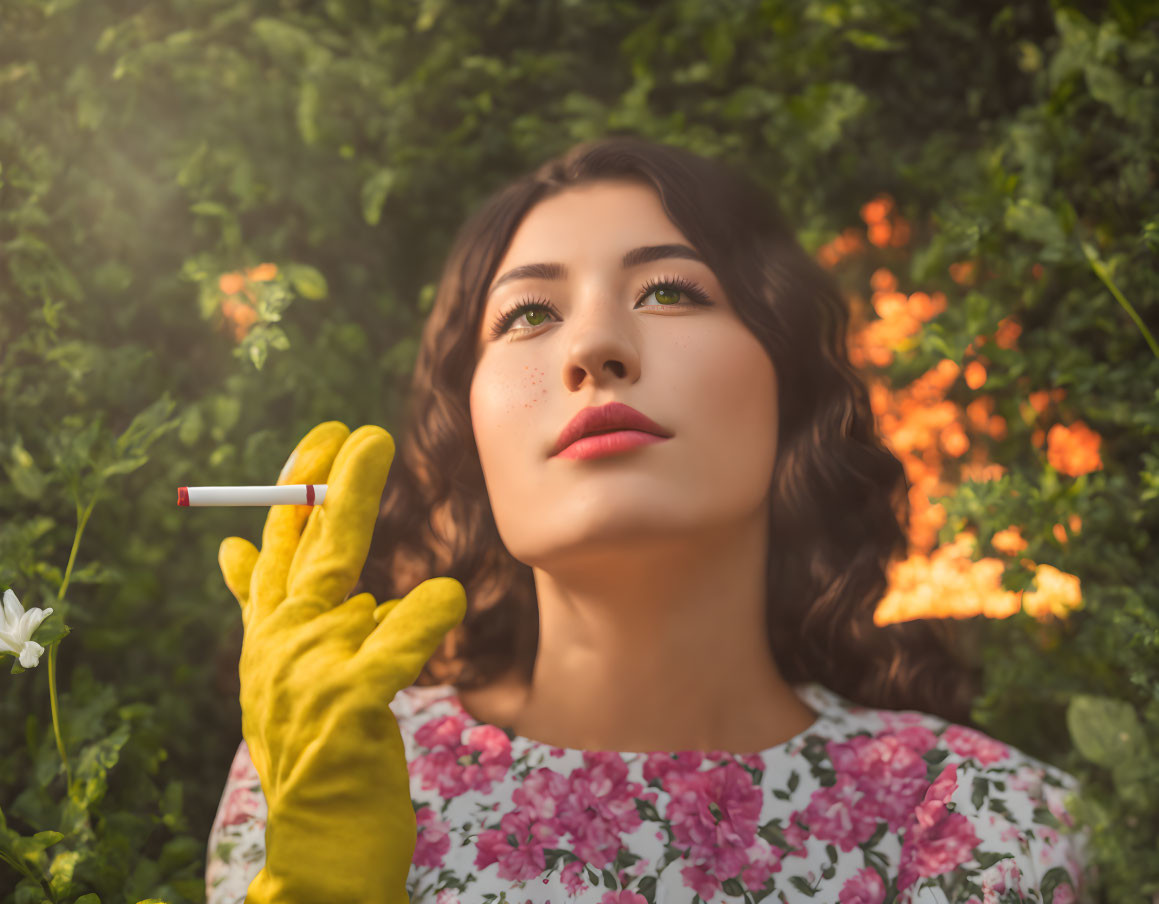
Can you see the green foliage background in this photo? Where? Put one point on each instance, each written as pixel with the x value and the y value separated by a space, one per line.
pixel 148 148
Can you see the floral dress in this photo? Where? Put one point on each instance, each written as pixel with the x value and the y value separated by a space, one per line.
pixel 865 806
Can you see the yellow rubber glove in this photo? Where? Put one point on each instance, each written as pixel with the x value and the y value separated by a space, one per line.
pixel 318 672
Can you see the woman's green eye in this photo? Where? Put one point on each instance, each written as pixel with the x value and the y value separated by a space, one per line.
pixel 669 292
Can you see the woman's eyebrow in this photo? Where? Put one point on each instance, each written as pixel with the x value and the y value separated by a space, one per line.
pixel 633 258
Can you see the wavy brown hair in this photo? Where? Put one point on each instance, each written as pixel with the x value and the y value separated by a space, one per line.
pixel 839 506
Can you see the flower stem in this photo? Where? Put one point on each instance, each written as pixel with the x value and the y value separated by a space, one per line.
pixel 1100 270
pixel 56 713
pixel 82 519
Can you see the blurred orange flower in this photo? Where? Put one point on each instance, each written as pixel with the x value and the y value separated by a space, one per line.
pixel 1009 541
pixel 879 233
pixel 877 210
pixel 962 273
pixel 975 375
pixel 231 283
pixel 1007 333
pixel 1073 450
pixel 262 273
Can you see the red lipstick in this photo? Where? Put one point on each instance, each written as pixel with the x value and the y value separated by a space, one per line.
pixel 607 429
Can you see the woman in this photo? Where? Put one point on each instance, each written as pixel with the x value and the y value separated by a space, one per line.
pixel 668 686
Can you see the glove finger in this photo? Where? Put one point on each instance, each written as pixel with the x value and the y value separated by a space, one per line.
pixel 236 557
pixel 310 462
pixel 384 610
pixel 333 548
pixel 411 632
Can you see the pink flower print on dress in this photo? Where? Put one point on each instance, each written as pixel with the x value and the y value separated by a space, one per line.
pixel 624 896
pixel 715 814
pixel 600 807
pixel 433 840
pixel 1002 876
pixel 540 794
pixel 659 766
pixel 241 806
pixel 764 859
pixel 839 814
pixel 242 768
pixel 865 887
pixel 443 732
pixel 1056 802
pixel 454 767
pixel 967 742
pixel 700 880
pixel 523 860
pixel 489 750
pixel 889 773
pixel 574 878
pixel 936 840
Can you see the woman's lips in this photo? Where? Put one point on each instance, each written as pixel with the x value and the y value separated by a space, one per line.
pixel 602 444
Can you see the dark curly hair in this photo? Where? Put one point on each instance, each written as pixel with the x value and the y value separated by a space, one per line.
pixel 839 507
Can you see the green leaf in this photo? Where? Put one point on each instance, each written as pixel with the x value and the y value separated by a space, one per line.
pixel 147 427
pixel 1040 224
pixel 277 338
pixel 374 192
pixel 192 424
pixel 125 466
pixel 867 40
pixel 61 870
pixel 210 209
pixel 307 281
pixel 258 353
pixel 1108 87
pixel 429 12
pixel 1105 730
pixel 95 573
pixel 170 806
pixel 91 774
pixel 27 479
pixel 29 848
pixel 226 410
pixel 291 42
pixel 309 100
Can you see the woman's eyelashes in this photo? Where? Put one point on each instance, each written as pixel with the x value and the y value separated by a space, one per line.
pixel 680 284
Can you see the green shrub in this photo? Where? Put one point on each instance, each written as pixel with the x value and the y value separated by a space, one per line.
pixel 148 151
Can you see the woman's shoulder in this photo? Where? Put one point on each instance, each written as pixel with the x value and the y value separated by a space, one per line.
pixel 938 742
pixel 1002 813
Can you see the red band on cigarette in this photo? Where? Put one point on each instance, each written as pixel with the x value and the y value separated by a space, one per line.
pixel 309 494
pixel 183 495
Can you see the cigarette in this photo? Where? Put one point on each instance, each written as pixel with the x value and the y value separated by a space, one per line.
pixel 287 494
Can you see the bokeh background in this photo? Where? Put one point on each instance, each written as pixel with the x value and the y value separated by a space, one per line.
pixel 221 222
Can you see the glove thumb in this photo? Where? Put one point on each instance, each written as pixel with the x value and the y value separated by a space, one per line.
pixel 236 556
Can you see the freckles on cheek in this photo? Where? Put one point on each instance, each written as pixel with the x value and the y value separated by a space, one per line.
pixel 506 395
pixel 530 386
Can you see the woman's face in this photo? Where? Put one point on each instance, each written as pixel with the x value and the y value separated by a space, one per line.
pixel 695 370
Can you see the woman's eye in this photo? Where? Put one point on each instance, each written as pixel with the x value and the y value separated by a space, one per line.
pixel 668 293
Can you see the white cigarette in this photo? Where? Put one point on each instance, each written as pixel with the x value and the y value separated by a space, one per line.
pixel 288 494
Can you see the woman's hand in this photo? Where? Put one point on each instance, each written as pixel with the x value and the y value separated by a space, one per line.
pixel 318 672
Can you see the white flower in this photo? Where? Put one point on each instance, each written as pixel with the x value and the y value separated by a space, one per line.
pixel 17 626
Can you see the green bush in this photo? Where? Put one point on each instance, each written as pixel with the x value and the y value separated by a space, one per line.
pixel 149 150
